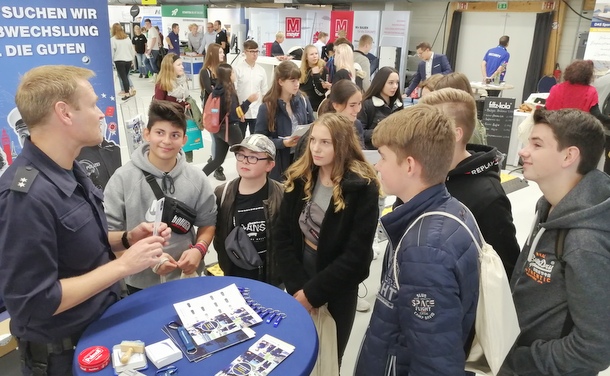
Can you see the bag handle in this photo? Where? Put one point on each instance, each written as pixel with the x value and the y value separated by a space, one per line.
pixel 150 179
pixel 429 214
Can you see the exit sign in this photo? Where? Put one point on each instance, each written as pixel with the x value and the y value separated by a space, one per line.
pixel 502 5
pixel 462 6
pixel 548 5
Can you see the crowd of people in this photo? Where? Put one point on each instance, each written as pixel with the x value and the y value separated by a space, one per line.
pixel 310 206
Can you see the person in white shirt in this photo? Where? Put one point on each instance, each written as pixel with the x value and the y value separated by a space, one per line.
pixel 152 48
pixel 321 42
pixel 209 36
pixel 251 78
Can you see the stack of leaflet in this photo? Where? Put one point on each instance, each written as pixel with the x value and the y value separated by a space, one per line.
pixel 260 359
pixel 214 322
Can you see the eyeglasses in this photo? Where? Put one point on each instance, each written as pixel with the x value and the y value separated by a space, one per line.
pixel 249 158
pixel 256 52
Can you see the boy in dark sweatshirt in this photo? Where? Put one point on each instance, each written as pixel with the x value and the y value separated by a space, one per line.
pixel 562 303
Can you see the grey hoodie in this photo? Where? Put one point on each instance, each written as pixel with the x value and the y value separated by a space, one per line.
pixel 128 201
pixel 544 294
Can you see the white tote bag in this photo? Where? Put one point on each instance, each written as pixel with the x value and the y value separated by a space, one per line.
pixel 327 363
pixel 496 324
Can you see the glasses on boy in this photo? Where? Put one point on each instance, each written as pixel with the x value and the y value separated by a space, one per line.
pixel 251 159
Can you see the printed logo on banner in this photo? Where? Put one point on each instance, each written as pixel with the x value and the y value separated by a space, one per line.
pixel 341 24
pixel 293 27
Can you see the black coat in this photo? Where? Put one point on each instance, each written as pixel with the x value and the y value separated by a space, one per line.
pixel 345 244
pixel 476 183
pixel 313 88
pixel 373 111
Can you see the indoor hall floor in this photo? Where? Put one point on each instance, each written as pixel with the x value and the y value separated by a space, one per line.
pixel 523 202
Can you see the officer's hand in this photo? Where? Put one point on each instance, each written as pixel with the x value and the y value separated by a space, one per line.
pixel 143 254
pixel 189 261
pixel 167 266
pixel 145 229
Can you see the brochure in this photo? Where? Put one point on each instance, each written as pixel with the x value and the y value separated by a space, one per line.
pixel 208 348
pixel 260 359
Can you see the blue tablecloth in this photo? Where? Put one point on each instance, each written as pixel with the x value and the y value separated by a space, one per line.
pixel 142 315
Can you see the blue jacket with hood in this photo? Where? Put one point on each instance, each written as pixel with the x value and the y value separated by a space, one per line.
pixel 422 327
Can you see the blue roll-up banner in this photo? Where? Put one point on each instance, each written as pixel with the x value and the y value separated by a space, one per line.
pixel 68 32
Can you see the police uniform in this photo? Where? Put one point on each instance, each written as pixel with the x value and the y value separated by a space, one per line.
pixel 52 227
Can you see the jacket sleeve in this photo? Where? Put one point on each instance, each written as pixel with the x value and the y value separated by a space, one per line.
pixel 261 127
pixel 587 345
pixel 352 266
pixel 429 308
pixel 496 224
pixel 291 269
pixel 160 94
pixel 366 115
pixel 446 67
pixel 309 109
pixel 414 82
pixel 205 81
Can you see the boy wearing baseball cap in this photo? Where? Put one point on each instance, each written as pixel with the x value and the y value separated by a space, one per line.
pixel 252 201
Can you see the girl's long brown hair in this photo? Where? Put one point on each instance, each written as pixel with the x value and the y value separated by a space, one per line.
pixel 223 75
pixel 286 70
pixel 348 157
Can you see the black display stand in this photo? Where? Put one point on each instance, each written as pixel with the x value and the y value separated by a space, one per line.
pixel 498 121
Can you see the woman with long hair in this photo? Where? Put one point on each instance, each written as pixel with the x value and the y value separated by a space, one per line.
pixel 207 80
pixel 229 107
pixel 313 76
pixel 327 223
pixel 345 98
pixel 122 56
pixel 283 109
pixel 382 99
pixel 171 85
pixel 345 68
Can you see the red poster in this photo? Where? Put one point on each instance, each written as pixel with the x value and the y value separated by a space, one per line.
pixel 341 20
pixel 293 28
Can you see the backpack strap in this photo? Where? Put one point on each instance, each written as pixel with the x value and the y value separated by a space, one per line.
pixel 559 247
pixel 444 214
pixel 150 179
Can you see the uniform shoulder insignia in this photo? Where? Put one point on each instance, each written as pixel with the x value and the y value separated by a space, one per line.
pixel 24 177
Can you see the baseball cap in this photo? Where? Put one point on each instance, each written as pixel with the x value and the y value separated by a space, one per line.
pixel 257 143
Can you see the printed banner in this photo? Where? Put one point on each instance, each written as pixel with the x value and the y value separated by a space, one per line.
pixel 183 16
pixel 367 22
pixel 395 33
pixel 69 32
pixel 599 38
pixel 341 20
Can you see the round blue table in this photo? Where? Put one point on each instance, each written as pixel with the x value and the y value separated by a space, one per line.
pixel 142 315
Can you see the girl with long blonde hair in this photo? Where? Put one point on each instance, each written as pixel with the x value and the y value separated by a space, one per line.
pixel 313 76
pixel 328 216
pixel 344 65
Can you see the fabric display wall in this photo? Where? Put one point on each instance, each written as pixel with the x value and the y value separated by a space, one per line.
pixel 454 38
pixel 540 43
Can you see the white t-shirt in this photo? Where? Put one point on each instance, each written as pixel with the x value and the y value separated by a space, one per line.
pixel 250 80
pixel 153 34
pixel 319 44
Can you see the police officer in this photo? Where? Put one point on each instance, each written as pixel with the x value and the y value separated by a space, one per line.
pixel 58 272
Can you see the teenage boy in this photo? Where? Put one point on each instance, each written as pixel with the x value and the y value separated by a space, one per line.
pixel 421 325
pixel 253 202
pixel 321 43
pixel 562 301
pixel 474 178
pixel 130 198
pixel 251 78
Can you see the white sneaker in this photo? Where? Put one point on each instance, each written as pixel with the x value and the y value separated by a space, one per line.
pixel 362 305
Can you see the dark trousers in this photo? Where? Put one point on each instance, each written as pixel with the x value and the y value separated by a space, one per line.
pixel 56 364
pixel 122 69
pixel 222 146
pixel 343 310
pixel 248 124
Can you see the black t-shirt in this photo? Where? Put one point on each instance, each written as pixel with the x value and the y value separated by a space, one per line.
pixel 139 41
pixel 250 214
pixel 222 37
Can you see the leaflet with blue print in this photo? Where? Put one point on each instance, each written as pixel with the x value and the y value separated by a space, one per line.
pixel 260 359
pixel 216 314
